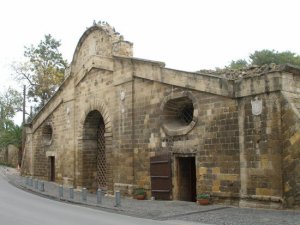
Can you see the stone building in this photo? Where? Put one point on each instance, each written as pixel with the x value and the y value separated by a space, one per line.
pixel 119 122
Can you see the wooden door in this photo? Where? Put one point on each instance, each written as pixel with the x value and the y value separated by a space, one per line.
pixel 161 176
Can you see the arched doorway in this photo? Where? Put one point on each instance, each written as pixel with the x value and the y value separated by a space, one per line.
pixel 93 152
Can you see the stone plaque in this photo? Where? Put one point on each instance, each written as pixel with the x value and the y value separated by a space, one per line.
pixel 122 95
pixel 256 106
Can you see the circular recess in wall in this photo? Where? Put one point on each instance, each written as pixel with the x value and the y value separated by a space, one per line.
pixel 47 134
pixel 179 113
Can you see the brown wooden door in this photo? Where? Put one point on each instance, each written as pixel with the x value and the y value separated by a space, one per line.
pixel 161 176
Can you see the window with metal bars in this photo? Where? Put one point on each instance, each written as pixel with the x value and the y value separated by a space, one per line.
pixel 94 155
pixel 185 114
pixel 177 114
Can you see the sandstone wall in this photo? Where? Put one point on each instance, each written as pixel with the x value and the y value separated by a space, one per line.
pixel 13 155
pixel 59 116
pixel 241 157
pixel 291 149
pixel 260 152
pixel 214 141
pixel 9 155
pixel 89 97
pixel 27 158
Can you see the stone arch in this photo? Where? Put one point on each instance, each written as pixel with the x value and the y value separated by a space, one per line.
pixel 94 148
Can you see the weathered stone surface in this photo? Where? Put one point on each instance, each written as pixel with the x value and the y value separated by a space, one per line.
pixel 10 155
pixel 145 109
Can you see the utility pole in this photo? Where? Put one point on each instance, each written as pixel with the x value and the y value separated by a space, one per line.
pixel 21 151
pixel 24 103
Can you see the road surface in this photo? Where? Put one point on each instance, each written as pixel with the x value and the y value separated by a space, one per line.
pixel 18 207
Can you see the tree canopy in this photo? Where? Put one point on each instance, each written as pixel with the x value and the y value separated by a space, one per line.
pixel 43 71
pixel 238 64
pixel 10 103
pixel 266 57
pixel 10 134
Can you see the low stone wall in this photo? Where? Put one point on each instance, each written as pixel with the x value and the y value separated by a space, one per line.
pixel 9 156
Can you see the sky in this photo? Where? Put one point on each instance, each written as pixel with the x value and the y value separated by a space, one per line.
pixel 187 35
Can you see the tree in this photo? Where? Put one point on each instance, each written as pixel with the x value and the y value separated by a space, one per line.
pixel 265 56
pixel 10 103
pixel 11 134
pixel 43 71
pixel 238 64
pixel 271 56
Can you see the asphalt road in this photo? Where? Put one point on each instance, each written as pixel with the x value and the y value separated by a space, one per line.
pixel 18 207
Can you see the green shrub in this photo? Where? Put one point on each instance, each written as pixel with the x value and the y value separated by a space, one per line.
pixel 203 196
pixel 6 164
pixel 139 191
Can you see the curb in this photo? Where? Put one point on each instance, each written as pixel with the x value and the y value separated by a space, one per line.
pixel 54 198
pixel 18 182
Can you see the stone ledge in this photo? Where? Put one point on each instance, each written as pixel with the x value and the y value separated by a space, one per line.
pixel 248 197
pixel 125 189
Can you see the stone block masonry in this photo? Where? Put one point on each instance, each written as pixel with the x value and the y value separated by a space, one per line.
pixel 232 134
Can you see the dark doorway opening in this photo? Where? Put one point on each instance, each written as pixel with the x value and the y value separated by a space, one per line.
pixel 94 172
pixel 186 178
pixel 52 168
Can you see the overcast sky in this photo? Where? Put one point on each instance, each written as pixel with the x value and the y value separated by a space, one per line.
pixel 187 35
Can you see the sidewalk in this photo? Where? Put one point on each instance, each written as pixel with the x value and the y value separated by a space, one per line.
pixel 151 209
pixel 162 210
